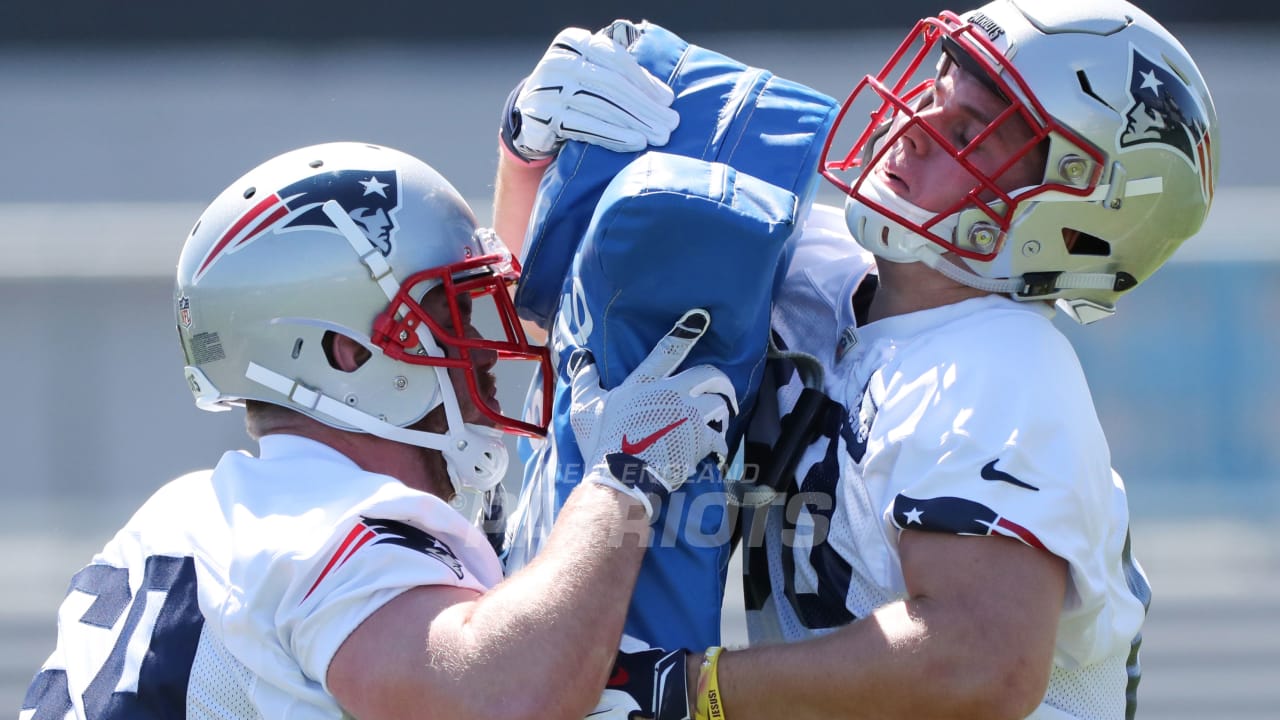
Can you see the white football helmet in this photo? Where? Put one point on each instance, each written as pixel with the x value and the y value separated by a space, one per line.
pixel 1114 102
pixel 348 238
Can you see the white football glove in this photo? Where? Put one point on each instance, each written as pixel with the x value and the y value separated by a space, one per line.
pixel 587 87
pixel 649 433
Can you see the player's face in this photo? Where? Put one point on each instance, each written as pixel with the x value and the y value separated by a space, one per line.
pixel 921 171
pixel 436 305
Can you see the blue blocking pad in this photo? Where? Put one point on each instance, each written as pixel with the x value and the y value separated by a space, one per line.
pixel 622 244
pixel 744 117
pixel 672 233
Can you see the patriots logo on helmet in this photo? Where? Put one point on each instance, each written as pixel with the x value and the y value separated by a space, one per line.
pixel 370 197
pixel 1165 111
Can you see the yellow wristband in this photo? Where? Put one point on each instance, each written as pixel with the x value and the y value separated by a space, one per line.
pixel 710 702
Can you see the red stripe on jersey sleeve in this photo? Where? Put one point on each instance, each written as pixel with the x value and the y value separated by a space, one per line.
pixel 1023 534
pixel 342 553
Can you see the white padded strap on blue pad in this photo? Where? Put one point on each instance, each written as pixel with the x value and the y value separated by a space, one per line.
pixel 744 117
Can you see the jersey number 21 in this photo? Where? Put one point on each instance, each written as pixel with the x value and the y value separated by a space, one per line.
pixel 146 672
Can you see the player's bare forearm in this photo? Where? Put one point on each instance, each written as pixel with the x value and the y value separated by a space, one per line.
pixel 565 642
pixel 555 625
pixel 515 189
pixel 538 645
pixel 514 192
pixel 975 639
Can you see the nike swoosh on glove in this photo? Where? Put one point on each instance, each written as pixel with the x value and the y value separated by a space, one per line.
pixel 648 434
pixel 587 87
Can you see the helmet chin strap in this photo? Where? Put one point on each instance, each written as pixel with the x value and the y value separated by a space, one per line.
pixel 884 236
pixel 889 239
pixel 973 280
pixel 482 456
pixel 476 456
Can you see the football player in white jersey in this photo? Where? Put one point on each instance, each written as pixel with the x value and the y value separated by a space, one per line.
pixel 330 291
pixel 954 542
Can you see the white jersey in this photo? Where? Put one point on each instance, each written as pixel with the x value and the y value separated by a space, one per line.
pixel 972 418
pixel 229 591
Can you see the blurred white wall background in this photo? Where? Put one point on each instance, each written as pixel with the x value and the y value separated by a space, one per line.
pixel 109 156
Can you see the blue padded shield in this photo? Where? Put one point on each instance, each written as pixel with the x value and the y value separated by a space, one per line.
pixel 731 113
pixel 671 233
pixel 621 244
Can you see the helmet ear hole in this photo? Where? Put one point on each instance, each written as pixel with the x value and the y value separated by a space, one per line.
pixel 1082 243
pixel 343 353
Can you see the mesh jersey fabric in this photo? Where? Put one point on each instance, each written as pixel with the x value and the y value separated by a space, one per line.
pixel 927 400
pixel 279 557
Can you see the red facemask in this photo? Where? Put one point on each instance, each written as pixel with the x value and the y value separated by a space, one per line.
pixel 488 276
pixel 896 95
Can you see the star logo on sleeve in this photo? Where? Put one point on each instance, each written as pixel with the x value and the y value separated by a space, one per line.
pixel 957 516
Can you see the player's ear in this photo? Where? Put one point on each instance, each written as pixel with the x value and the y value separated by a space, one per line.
pixel 344 353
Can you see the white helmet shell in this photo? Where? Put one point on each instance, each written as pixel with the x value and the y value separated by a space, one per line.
pixel 1126 124
pixel 342 238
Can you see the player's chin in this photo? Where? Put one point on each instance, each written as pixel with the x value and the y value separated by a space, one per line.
pixel 472 414
pixel 491 404
pixel 488 387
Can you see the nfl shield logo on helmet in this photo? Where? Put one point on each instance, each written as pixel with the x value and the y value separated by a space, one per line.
pixel 371 198
pixel 1164 110
pixel 184 311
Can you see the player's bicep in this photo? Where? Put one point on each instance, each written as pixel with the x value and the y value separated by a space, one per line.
pixel 1007 596
pixel 390 663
